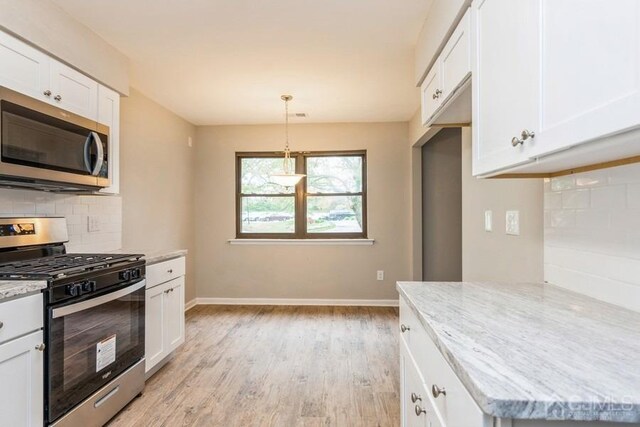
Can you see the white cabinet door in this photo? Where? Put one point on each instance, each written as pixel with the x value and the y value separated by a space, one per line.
pixel 73 91
pixel 24 68
pixel 21 388
pixel 154 345
pixel 109 114
pixel 415 407
pixel 455 58
pixel 505 81
pixel 174 308
pixel 590 61
pixel 431 92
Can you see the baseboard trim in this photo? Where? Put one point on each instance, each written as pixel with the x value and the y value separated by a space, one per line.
pixel 190 304
pixel 294 301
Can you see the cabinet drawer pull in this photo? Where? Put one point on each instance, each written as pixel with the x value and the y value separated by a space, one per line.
pixel 40 347
pixel 437 391
pixel 170 271
pixel 57 98
pixel 415 398
pixel 419 411
pixel 47 92
pixel 1 325
pixel 404 328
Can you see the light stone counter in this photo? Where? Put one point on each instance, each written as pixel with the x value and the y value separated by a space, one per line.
pixel 155 257
pixel 534 351
pixel 18 288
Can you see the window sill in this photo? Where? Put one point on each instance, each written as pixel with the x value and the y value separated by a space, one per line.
pixel 303 242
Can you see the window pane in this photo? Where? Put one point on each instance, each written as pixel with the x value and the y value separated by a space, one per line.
pixel 256 173
pixel 334 214
pixel 339 174
pixel 267 215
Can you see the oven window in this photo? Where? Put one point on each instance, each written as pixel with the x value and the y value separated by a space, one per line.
pixel 89 348
pixel 34 139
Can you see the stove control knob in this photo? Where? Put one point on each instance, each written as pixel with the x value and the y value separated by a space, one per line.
pixel 125 275
pixel 73 290
pixel 135 273
pixel 88 287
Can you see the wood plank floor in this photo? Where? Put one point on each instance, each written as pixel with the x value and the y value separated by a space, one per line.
pixel 277 366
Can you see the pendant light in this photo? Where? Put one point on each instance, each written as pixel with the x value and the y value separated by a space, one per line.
pixel 288 177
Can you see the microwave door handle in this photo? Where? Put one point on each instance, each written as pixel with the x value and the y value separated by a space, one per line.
pixel 87 154
pixel 100 156
pixel 84 305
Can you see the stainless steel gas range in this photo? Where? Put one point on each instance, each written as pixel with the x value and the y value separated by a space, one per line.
pixel 94 311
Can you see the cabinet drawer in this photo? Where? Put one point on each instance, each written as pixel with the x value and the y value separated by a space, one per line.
pixel 456 408
pixel 165 271
pixel 20 316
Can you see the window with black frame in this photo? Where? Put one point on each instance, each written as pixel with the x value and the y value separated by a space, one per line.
pixel 330 202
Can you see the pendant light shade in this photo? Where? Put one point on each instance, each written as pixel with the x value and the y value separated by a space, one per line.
pixel 287 178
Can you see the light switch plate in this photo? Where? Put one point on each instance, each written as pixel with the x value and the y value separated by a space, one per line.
pixel 488 221
pixel 513 223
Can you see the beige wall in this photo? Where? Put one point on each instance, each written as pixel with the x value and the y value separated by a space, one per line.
pixel 496 256
pixel 46 26
pixel 156 180
pixel 325 272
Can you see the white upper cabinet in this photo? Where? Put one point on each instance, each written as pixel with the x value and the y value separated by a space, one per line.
pixel 550 75
pixel 109 114
pixel 27 70
pixel 73 91
pixel 505 76
pixel 24 68
pixel 455 58
pixel 431 93
pixel 448 79
pixel 590 61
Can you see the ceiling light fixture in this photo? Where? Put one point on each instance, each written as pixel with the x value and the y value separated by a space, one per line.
pixel 288 177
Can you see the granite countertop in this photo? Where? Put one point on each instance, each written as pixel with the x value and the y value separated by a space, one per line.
pixel 18 288
pixel 534 351
pixel 155 256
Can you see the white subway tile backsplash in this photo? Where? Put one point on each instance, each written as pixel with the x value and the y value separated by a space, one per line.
pixel 611 197
pixel 562 183
pixel 576 199
pixel 75 209
pixel 592 233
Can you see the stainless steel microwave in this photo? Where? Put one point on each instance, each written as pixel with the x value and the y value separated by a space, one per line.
pixel 47 148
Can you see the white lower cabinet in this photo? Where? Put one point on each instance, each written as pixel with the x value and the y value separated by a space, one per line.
pixel 431 393
pixel 21 362
pixel 164 319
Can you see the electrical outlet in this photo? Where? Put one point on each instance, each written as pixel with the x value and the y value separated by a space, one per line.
pixel 380 275
pixel 513 223
pixel 488 221
pixel 93 223
pixel 190 142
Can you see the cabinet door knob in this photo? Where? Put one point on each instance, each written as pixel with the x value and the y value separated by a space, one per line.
pixel 415 398
pixel 437 94
pixel 47 92
pixel 437 391
pixel 524 135
pixel 57 98
pixel 419 411
pixel 1 325
pixel 40 347
pixel 404 328
pixel 170 270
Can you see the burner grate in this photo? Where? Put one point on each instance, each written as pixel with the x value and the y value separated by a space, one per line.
pixel 59 265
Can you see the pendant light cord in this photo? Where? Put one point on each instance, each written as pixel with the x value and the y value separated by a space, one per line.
pixel 287 153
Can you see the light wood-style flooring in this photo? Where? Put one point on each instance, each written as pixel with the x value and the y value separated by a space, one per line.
pixel 277 366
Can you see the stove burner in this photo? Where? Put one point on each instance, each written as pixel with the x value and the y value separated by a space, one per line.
pixel 62 265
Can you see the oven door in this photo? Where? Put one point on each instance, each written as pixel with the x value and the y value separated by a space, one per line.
pixel 41 142
pixel 91 342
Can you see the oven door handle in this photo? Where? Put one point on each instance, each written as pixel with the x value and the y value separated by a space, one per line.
pixel 84 305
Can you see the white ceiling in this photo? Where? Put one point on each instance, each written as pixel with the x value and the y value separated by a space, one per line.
pixel 228 61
